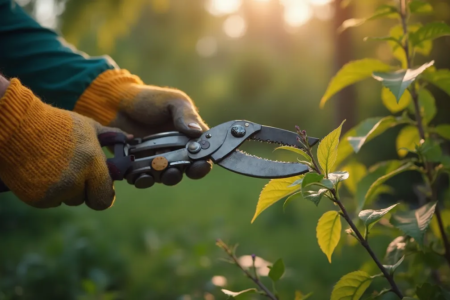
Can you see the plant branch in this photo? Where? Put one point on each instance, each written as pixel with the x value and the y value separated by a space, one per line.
pixel 366 245
pixel 255 279
pixel 361 239
pixel 420 127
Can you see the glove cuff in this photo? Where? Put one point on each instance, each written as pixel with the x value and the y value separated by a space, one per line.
pixel 14 105
pixel 101 100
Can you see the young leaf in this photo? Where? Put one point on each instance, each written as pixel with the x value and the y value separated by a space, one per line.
pixel 390 102
pixel 406 167
pixel 388 11
pixel 338 176
pixel 443 130
pixel 311 178
pixel 391 268
pixel 329 232
pixel 277 270
pixel 415 222
pixel 356 172
pixel 290 198
pixel 314 193
pixel 370 216
pixel 327 151
pixel 373 174
pixel 395 249
pixel 398 81
pixel 429 31
pixel 351 73
pixel 369 129
pixel 445 215
pixel 398 51
pixel 420 7
pixel 300 152
pixel 300 296
pixel 351 286
pixel 275 190
pixel 431 151
pixel 235 294
pixel 407 139
pixel 439 78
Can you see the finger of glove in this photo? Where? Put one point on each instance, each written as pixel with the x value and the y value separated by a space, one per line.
pixel 108 135
pixel 100 193
pixel 199 169
pixel 186 119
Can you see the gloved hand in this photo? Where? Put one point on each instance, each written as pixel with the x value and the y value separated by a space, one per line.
pixel 118 99
pixel 50 156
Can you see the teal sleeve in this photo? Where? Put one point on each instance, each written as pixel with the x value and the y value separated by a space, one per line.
pixel 53 70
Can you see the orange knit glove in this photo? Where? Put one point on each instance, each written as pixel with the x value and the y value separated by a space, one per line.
pixel 50 156
pixel 118 99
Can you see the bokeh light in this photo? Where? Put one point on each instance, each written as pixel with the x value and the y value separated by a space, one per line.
pixel 206 46
pixel 235 26
pixel 219 281
pixel 223 7
pixel 297 13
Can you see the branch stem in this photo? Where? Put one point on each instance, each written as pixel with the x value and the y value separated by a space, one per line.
pixel 415 97
pixel 255 279
pixel 366 245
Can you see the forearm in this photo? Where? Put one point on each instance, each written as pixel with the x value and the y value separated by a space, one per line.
pixel 54 71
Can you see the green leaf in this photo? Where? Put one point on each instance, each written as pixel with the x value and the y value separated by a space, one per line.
pixel 443 130
pixel 327 151
pixel 398 81
pixel 429 31
pixel 439 78
pixel 338 176
pixel 300 152
pixel 388 11
pixel 427 105
pixel 310 190
pixel 430 292
pixel 395 249
pixel 274 191
pixel 329 232
pixel 420 7
pixel 406 167
pixel 431 151
pixel 351 73
pixel 300 296
pixel 370 216
pixel 390 102
pixel 415 222
pixel 356 172
pixel 407 139
pixel 235 294
pixel 383 38
pixel 290 198
pixel 391 268
pixel 351 286
pixel 375 172
pixel 277 270
pixel 398 51
pixel 369 129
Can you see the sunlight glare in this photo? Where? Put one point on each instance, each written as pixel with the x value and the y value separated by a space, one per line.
pixel 234 26
pixel 320 2
pixel 324 12
pixel 223 7
pixel 297 13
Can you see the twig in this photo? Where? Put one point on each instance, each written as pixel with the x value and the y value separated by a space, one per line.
pixel 420 127
pixel 361 239
pixel 255 279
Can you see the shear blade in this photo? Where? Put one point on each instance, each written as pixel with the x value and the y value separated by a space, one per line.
pixel 242 163
pixel 280 136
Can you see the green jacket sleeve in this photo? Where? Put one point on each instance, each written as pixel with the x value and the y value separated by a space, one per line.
pixel 53 70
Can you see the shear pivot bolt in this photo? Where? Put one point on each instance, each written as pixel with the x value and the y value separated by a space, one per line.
pixel 238 131
pixel 194 147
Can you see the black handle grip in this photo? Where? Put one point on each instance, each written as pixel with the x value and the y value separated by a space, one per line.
pixel 3 187
pixel 117 166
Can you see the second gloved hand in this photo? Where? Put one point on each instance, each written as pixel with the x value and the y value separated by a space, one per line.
pixel 118 99
pixel 50 156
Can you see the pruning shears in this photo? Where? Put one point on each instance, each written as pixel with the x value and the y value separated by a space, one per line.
pixel 164 157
